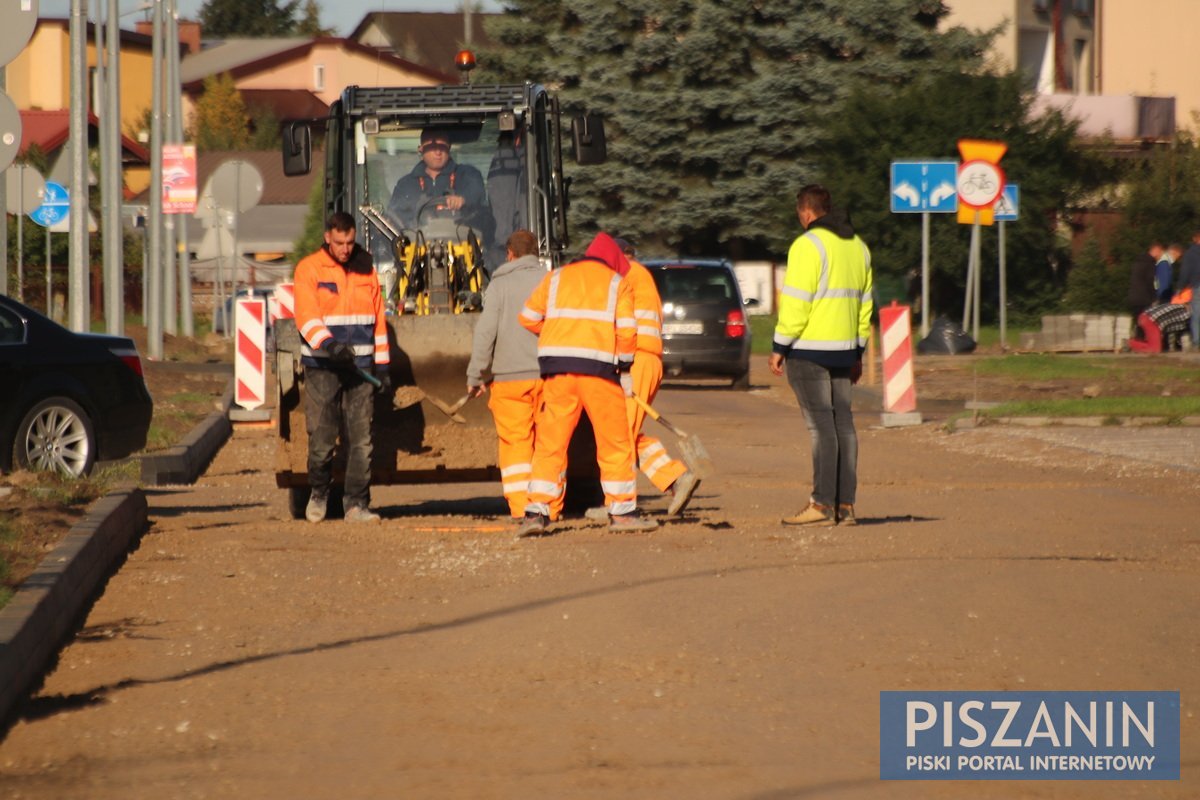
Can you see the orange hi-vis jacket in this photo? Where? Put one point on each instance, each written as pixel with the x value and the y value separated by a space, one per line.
pixel 584 317
pixel 647 308
pixel 343 303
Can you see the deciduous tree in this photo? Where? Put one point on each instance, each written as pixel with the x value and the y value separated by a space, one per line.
pixel 219 121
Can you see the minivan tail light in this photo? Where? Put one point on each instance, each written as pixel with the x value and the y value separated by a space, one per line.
pixel 735 325
pixel 131 359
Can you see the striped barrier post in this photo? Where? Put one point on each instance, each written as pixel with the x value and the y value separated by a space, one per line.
pixel 899 387
pixel 250 352
pixel 283 302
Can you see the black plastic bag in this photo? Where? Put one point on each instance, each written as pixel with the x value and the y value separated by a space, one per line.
pixel 946 338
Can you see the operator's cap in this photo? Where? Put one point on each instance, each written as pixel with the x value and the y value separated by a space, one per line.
pixel 431 136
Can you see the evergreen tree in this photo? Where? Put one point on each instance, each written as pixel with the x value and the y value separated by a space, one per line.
pixel 925 120
pixel 310 21
pixel 1161 200
pixel 248 18
pixel 219 121
pixel 1095 286
pixel 713 108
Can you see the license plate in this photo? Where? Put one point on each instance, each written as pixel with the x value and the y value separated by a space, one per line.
pixel 686 328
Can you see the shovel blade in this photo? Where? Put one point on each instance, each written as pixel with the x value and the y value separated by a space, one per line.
pixel 695 456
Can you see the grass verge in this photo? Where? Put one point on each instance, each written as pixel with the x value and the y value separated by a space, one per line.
pixel 1172 409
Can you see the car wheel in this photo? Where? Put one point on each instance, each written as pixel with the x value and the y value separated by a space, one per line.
pixel 741 382
pixel 56 435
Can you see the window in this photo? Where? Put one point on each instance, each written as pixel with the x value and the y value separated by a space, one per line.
pixel 1083 8
pixel 319 77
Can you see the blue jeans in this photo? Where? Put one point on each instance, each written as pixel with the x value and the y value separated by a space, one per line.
pixel 824 397
pixel 331 397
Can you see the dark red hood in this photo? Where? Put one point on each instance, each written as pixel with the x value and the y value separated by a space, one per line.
pixel 605 249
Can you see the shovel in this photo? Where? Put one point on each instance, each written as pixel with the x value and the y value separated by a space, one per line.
pixel 693 452
pixel 406 396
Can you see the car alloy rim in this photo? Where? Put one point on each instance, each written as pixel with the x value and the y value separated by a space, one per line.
pixel 57 440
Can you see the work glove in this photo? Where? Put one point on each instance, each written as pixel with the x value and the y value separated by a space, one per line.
pixel 340 353
pixel 856 372
pixel 627 384
pixel 384 376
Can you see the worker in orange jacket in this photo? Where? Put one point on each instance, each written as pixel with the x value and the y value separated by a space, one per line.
pixel 587 333
pixel 343 331
pixel 666 473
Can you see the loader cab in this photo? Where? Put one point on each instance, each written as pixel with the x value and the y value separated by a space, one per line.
pixel 501 153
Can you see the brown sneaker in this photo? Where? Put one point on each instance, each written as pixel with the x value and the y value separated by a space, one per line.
pixel 633 522
pixel 684 487
pixel 845 514
pixel 814 515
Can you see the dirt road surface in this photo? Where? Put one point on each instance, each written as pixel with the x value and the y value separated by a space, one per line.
pixel 241 654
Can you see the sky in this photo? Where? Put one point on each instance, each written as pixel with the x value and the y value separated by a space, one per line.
pixel 342 15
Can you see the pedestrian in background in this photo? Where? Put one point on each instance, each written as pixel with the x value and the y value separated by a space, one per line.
pixel 504 359
pixel 583 315
pixel 1189 278
pixel 1141 293
pixel 824 324
pixel 1164 277
pixel 343 331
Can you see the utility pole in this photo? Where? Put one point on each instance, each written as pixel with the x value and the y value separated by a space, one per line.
pixel 170 289
pixel 78 284
pixel 4 208
pixel 153 265
pixel 110 163
pixel 175 100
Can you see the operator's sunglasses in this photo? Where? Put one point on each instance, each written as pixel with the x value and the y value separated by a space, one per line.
pixel 442 146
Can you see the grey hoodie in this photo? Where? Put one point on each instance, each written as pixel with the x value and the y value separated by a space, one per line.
pixel 503 350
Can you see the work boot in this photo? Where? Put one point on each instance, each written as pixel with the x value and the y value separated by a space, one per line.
pixel 597 514
pixel 317 505
pixel 361 514
pixel 532 525
pixel 684 487
pixel 814 515
pixel 845 514
pixel 633 522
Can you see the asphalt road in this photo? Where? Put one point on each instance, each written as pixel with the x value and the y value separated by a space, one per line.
pixel 241 654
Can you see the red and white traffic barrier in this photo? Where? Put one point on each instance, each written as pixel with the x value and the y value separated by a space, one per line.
pixel 250 352
pixel 283 302
pixel 899 386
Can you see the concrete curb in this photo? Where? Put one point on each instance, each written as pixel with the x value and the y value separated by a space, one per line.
pixel 1080 422
pixel 185 462
pixel 48 605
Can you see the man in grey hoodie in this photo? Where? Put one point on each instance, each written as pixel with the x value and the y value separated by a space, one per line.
pixel 504 357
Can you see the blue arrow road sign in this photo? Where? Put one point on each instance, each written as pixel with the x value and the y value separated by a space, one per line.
pixel 1007 205
pixel 924 187
pixel 55 206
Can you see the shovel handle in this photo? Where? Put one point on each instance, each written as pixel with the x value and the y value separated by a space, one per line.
pixel 654 415
pixel 369 378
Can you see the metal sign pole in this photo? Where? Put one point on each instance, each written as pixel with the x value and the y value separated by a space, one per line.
pixel 49 281
pixel 154 325
pixel 1003 292
pixel 175 101
pixel 924 274
pixel 20 168
pixel 4 207
pixel 966 323
pixel 78 298
pixel 977 259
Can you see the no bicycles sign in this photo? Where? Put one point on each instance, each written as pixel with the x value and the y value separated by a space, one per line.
pixel 980 183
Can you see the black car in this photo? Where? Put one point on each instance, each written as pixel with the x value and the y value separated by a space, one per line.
pixel 68 399
pixel 705 330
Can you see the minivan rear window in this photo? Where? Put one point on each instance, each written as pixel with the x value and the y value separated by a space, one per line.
pixel 688 284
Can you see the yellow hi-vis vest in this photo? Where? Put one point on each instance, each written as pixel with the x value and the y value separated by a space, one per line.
pixel 826 299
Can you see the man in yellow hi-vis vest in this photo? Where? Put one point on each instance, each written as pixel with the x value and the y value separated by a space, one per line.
pixel 824 324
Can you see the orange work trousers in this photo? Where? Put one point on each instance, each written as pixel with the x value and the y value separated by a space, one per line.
pixel 564 397
pixel 652 457
pixel 514 405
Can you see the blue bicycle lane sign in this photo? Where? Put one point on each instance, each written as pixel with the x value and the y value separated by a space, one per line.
pixel 54 208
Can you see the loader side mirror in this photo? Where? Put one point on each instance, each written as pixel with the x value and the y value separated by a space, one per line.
pixel 587 133
pixel 297 149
